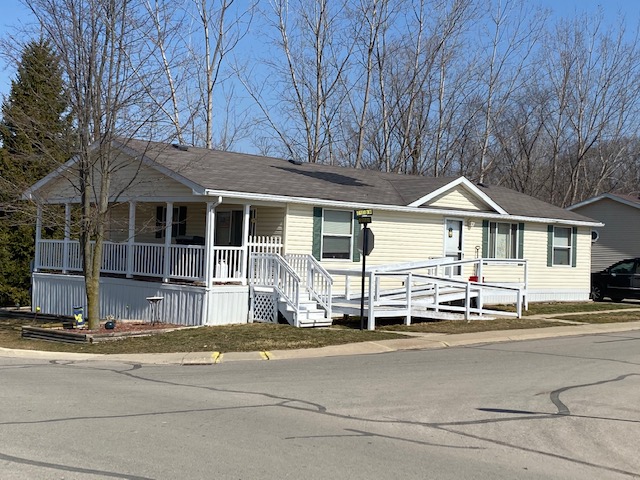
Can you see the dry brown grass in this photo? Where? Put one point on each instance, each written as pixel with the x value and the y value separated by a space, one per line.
pixel 229 338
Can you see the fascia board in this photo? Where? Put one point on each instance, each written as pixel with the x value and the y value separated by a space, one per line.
pixel 450 186
pixel 503 217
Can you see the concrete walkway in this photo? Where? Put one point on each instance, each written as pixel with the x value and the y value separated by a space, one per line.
pixel 414 341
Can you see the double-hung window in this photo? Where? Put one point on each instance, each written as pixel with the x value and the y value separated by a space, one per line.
pixel 337 234
pixel 503 240
pixel 562 246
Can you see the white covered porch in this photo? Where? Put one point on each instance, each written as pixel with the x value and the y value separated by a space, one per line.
pixel 200 243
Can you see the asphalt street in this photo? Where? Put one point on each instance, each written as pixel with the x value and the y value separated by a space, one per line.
pixel 565 407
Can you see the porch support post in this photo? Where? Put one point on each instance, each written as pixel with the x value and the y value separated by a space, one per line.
pixel 209 256
pixel 67 236
pixel 131 238
pixel 245 243
pixel 167 242
pixel 36 262
pixel 209 236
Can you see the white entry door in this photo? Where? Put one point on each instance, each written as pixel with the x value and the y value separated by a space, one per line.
pixel 453 243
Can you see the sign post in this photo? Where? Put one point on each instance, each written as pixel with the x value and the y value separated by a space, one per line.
pixel 365 246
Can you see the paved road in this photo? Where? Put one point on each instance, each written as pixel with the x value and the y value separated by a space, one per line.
pixel 556 408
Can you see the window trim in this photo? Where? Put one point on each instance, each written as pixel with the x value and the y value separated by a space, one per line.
pixel 350 236
pixel 514 232
pixel 567 248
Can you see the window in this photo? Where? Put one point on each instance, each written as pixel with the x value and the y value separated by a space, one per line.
pixel 179 223
pixel 562 246
pixel 337 234
pixel 503 240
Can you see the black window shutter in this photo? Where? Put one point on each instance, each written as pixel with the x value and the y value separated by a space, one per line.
pixel 521 240
pixel 182 219
pixel 574 246
pixel 549 245
pixel 356 232
pixel 485 238
pixel 317 233
pixel 160 218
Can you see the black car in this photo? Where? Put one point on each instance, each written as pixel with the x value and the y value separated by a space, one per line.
pixel 620 280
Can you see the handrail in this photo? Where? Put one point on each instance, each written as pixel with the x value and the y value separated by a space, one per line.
pixel 381 298
pixel 433 280
pixel 272 270
pixel 318 283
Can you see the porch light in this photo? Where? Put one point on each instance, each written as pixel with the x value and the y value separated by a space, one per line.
pixel 450 232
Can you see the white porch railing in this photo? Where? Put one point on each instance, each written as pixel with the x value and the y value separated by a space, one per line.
pixel 148 259
pixel 315 278
pixel 264 244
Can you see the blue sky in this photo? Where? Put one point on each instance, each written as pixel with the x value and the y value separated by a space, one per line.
pixel 14 13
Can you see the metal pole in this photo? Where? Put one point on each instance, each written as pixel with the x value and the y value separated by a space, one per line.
pixel 364 262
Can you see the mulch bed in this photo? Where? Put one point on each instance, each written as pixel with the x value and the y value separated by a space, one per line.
pixel 132 327
pixel 122 329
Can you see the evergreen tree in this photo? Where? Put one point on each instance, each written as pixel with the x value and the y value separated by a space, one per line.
pixel 35 132
pixel 35 125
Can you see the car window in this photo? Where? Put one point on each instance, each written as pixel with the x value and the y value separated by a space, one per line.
pixel 623 267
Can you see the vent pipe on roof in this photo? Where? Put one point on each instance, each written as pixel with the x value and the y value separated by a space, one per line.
pixel 295 162
pixel 182 148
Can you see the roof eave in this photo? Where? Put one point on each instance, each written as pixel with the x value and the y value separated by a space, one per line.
pixel 394 208
pixel 609 196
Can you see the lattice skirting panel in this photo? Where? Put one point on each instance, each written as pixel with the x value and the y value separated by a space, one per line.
pixel 264 306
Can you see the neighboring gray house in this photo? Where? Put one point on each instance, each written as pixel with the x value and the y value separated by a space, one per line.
pixel 620 236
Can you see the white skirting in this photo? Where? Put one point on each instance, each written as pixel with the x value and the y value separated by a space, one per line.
pixel 126 299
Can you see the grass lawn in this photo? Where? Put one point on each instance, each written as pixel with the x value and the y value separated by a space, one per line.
pixel 231 338
pixel 612 317
pixel 545 308
pixel 460 326
pixel 261 336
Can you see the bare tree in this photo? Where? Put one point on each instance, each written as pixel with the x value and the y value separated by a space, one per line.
pixel 190 43
pixel 95 41
pixel 300 94
pixel 514 31
pixel 595 79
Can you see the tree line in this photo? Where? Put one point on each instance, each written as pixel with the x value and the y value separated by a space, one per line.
pixel 499 91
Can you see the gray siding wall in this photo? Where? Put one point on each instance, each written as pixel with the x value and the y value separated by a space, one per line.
pixel 619 238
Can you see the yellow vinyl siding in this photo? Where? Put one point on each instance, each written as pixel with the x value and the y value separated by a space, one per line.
pixel 459 199
pixel 270 221
pixel 118 223
pixel 299 229
pixel 557 277
pixel 404 237
pixel 132 181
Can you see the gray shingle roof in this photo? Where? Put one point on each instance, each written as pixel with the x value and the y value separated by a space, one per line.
pixel 253 174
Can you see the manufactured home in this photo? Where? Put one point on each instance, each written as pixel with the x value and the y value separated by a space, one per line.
pixel 205 237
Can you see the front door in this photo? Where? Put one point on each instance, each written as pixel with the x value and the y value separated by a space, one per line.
pixel 453 243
